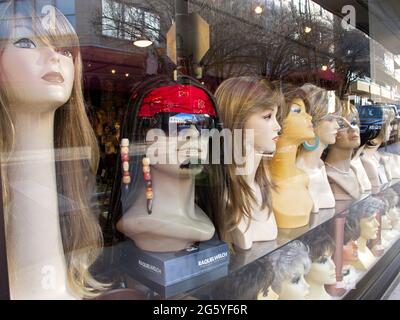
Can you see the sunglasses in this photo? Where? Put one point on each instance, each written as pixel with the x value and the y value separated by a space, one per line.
pixel 172 124
pixel 344 124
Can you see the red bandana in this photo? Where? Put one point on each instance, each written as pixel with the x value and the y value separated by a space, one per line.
pixel 177 99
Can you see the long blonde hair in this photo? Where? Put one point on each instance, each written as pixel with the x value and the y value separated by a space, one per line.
pixel 238 99
pixel 81 233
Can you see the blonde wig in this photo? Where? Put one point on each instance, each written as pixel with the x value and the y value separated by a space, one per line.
pixel 238 99
pixel 81 233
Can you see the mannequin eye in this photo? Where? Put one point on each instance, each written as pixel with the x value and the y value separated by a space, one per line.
pixel 25 43
pixel 267 116
pixel 66 52
pixel 295 109
pixel 323 260
pixel 296 280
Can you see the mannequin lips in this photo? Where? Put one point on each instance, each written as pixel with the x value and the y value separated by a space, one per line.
pixel 53 77
pixel 276 138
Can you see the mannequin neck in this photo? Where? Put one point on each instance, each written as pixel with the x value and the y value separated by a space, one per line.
pixel 362 244
pixel 252 165
pixel 317 290
pixel 369 150
pixel 358 153
pixel 37 132
pixel 284 160
pixel 180 197
pixel 312 159
pixel 339 157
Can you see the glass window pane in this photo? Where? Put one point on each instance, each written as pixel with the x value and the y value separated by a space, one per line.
pixel 66 6
pixel 39 4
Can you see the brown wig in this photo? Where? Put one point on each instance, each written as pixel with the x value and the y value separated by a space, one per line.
pixel 81 234
pixel 239 98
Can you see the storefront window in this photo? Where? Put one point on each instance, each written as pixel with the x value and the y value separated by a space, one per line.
pixel 197 149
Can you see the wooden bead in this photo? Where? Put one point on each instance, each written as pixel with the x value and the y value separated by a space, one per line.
pixel 126 173
pixel 147 176
pixel 126 179
pixel 125 165
pixel 125 143
pixel 146 162
pixel 149 194
pixel 124 150
pixel 149 184
pixel 146 169
pixel 125 157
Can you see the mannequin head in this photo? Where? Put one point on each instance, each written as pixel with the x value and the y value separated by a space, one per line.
pixel 322 247
pixel 297 124
pixel 351 234
pixel 348 136
pixel 251 282
pixel 323 119
pixel 28 52
pixel 176 113
pixel 376 123
pixel 249 103
pixel 391 197
pixel 290 264
pixel 365 214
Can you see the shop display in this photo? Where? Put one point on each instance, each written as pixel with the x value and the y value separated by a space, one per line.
pixel 157 208
pixel 309 155
pixel 249 104
pixel 376 121
pixel 291 263
pixel 193 151
pixel 365 217
pixel 44 126
pixel 323 270
pixel 291 182
pixel 341 173
pixel 252 282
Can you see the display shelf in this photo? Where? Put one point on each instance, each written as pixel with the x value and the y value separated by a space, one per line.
pixel 241 258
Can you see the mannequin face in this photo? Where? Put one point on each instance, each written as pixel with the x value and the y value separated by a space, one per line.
pixel 348 136
pixel 295 289
pixel 369 227
pixel 182 152
pixel 350 251
pixel 297 124
pixel 323 271
pixel 37 76
pixel 265 128
pixel 327 130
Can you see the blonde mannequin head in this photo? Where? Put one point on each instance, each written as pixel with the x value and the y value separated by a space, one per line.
pixel 81 234
pixel 249 103
pixel 324 119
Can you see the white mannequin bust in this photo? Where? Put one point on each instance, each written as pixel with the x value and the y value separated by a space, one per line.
pixel 249 106
pixel 176 222
pixel 378 171
pixel 262 225
pixel 341 173
pixel 361 174
pixel 322 272
pixel 368 230
pixel 41 79
pixel 309 160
